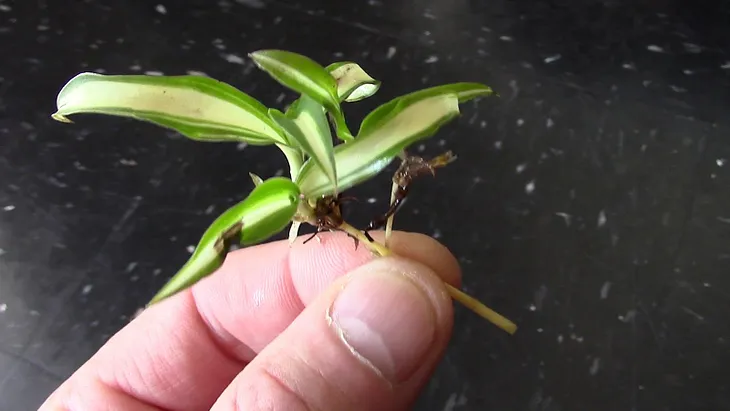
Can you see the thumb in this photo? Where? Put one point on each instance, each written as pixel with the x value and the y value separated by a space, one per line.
pixel 369 342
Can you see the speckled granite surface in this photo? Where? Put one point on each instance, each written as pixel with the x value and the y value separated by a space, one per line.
pixel 590 203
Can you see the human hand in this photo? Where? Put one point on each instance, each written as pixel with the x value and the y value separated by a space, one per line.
pixel 315 327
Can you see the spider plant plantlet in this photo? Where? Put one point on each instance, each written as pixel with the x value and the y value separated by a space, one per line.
pixel 324 156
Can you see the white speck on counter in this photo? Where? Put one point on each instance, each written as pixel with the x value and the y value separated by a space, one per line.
pixel 391 52
pixel 677 89
pixel 708 285
pixel 9 208
pixel 87 289
pixel 552 59
pixel 190 249
pixel 127 162
pixel 5 8
pixel 160 8
pixel 218 43
pixel 233 58
pixel 3 307
pixel 197 73
pixel 629 66
pixel 532 307
pixel 539 330
pixel 693 313
pixel 520 122
pixel 241 146
pixel 436 234
pixel 254 4
pixel 280 98
pixel 131 266
pixel 431 59
pixel 692 48
pixel 628 317
pixel 154 73
pixel 156 272
pixel 2 251
pixel 566 217
pixel 720 162
pixel 605 288
pixel 595 366
pixel 530 187
pixel 209 210
pixel 483 124
pixel 455 400
pixel 520 168
pixel 549 123
pixel 135 67
pixel 372 200
pixel 506 38
pixel 601 219
pixel 654 48
pixel 688 72
pixel 560 338
pixel 726 66
pixel 498 145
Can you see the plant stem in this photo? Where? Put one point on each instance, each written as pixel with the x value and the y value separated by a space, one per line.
pixel 389 223
pixel 465 299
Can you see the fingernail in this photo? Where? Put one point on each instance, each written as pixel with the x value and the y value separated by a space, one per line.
pixel 386 320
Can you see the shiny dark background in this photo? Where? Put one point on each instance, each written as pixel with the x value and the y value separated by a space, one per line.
pixel 590 202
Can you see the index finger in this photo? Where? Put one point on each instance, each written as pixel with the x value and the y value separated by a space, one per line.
pixel 181 353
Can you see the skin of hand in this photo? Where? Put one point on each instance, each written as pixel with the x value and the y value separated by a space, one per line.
pixel 317 326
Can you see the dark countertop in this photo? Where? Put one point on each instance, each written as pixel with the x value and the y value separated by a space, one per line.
pixel 597 184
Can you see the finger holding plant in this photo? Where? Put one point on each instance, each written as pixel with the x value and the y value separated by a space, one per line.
pixel 325 158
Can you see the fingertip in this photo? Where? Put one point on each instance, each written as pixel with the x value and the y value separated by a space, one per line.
pixel 369 341
pixel 426 250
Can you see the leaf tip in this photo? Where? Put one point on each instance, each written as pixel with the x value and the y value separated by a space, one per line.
pixel 61 118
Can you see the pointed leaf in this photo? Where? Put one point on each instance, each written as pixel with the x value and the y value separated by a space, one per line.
pixel 198 107
pixel 306 124
pixel 353 83
pixel 265 212
pixel 256 179
pixel 464 91
pixel 305 76
pixel 370 153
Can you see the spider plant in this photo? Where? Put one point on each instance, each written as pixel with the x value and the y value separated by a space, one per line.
pixel 324 156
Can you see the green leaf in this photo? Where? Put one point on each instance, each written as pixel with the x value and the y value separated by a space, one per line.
pixel 267 210
pixel 370 153
pixel 305 76
pixel 464 92
pixel 198 107
pixel 353 83
pixel 306 124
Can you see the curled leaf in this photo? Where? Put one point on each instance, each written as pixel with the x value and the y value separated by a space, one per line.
pixel 198 107
pixel 305 76
pixel 267 210
pixel 370 153
pixel 353 83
